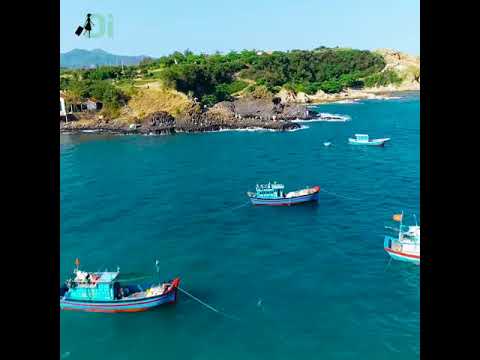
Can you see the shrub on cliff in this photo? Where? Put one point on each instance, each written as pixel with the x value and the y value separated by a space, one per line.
pixel 101 90
pixel 220 94
pixel 201 79
pixel 233 87
pixel 382 79
pixel 208 100
pixel 258 92
pixel 103 73
pixel 331 86
pixel 64 83
pixel 110 112
pixel 305 87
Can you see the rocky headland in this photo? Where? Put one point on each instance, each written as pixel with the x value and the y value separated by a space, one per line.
pixel 243 113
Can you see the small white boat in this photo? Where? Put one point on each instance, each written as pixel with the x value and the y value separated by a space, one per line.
pixel 363 139
pixel 327 143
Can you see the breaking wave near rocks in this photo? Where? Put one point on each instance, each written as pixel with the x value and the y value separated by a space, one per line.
pixel 326 117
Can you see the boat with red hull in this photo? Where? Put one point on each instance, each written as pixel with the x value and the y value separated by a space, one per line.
pixel 102 292
pixel 274 195
pixel 406 245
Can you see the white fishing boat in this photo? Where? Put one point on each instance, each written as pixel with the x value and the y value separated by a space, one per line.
pixel 363 139
pixel 405 246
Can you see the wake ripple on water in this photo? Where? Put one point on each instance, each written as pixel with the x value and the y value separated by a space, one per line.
pixel 302 127
pixel 327 117
pixel 251 129
pixel 257 129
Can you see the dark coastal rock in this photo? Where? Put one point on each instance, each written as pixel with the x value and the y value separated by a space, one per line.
pixel 222 111
pixel 294 111
pixel 219 116
pixel 192 117
pixel 281 125
pixel 70 117
pixel 227 106
pixel 313 113
pixel 158 123
pixel 270 109
pixel 160 119
pixel 254 108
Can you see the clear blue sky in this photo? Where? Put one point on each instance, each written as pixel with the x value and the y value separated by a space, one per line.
pixel 159 27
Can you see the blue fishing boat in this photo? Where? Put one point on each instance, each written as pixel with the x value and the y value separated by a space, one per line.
pixel 406 245
pixel 274 195
pixel 102 292
pixel 363 139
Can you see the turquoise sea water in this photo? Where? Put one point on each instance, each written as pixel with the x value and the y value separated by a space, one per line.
pixel 309 282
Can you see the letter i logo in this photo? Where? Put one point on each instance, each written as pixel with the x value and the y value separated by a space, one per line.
pixel 110 26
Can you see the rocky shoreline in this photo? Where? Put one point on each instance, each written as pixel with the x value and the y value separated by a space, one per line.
pixel 276 114
pixel 169 130
pixel 268 114
pixel 350 95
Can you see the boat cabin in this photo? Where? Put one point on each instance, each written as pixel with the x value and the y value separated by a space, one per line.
pixel 93 286
pixel 403 245
pixel 408 240
pixel 361 137
pixel 270 191
pixel 412 233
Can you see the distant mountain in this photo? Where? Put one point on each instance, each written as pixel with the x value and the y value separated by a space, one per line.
pixel 78 58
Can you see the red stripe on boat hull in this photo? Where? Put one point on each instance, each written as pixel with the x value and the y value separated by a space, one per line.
pixel 107 311
pixel 136 306
pixel 284 204
pixel 402 254
pixel 111 311
pixel 310 198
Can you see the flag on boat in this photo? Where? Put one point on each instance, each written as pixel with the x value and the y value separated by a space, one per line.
pixel 397 217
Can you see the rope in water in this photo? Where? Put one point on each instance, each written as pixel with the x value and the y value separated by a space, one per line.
pixel 238 207
pixel 341 196
pixel 198 217
pixel 206 305
pixel 386 267
pixel 212 213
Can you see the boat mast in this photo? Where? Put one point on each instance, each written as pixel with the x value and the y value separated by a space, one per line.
pixel 400 230
pixel 157 263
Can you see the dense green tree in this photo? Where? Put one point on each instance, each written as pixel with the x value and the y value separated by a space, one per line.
pixel 215 77
pixel 382 79
pixel 100 90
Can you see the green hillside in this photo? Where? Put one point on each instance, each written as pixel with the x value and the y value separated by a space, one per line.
pixel 211 78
